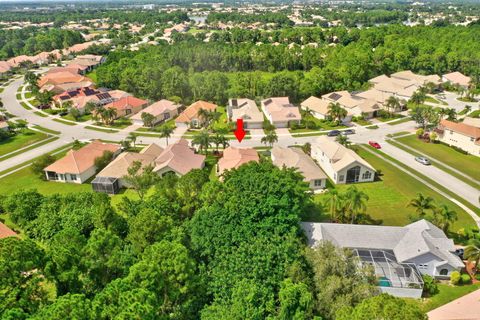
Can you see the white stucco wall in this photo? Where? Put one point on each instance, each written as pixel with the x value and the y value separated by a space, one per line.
pixel 460 141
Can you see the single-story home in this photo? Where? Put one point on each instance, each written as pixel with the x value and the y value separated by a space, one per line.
pixel 280 112
pixel 162 110
pixel 178 158
pixel 355 105
pixel 234 157
pixel 295 158
pixel 399 255
pixel 318 107
pixel 127 106
pixel 341 164
pixel 457 78
pixel 461 135
pixel 190 117
pixel 110 180
pixel 77 166
pixel 61 81
pixel 247 110
pixel 418 79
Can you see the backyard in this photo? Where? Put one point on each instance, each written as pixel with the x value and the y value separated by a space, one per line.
pixel 467 164
pixel 389 196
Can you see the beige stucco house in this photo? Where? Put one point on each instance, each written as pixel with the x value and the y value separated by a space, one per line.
pixel 461 135
pixel 247 110
pixel 341 164
pixel 280 112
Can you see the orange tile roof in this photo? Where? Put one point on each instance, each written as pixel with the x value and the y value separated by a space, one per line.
pixel 192 111
pixel 462 128
pixel 60 77
pixel 126 103
pixel 180 158
pixel 6 231
pixel 235 157
pixel 79 161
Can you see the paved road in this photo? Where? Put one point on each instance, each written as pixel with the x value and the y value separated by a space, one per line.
pixel 363 135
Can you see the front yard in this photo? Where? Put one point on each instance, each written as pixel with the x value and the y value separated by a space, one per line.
pixel 467 164
pixel 390 196
pixel 21 140
pixel 447 293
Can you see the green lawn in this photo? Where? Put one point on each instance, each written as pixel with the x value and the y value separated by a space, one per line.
pixel 68 123
pixel 402 120
pixel 101 129
pixel 46 129
pixel 372 127
pixel 433 100
pixel 446 294
pixel 321 126
pixel 26 106
pixel 40 114
pixel 82 118
pixel 117 124
pixel 467 164
pixel 389 196
pixel 28 95
pixel 24 139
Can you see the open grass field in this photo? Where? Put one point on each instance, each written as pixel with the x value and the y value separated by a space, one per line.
pixel 446 294
pixel 467 164
pixel 21 140
pixel 390 196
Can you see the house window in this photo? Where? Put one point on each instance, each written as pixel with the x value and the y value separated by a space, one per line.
pixel 471 139
pixel 423 266
pixel 317 183
pixel 128 111
pixel 366 175
pixel 342 177
pixel 444 272
pixel 73 177
pixel 166 116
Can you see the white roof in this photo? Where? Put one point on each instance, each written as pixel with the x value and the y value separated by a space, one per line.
pixel 296 158
pixel 247 110
pixel 281 109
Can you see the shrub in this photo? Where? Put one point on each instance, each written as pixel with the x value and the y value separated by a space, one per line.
pixel 420 132
pixel 455 278
pixel 309 124
pixel 465 279
pixel 429 286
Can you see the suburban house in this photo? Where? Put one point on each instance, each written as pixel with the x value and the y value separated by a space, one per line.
pixel 296 158
pixel 318 107
pixel 399 255
pixel 77 166
pixel 280 112
pixel 418 79
pixel 5 68
pixel 88 61
pixel 457 78
pixel 127 106
pixel 162 110
pixel 341 164
pixel 381 98
pixel 460 135
pixel 190 117
pixel 355 105
pixel 178 158
pixel 61 81
pixel 235 157
pixel 247 110
pixel 110 179
pixel 6 232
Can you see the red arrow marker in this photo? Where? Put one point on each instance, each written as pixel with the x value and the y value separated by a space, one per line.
pixel 239 132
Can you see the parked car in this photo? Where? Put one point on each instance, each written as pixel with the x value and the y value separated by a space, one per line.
pixel 423 161
pixel 374 144
pixel 348 131
pixel 333 133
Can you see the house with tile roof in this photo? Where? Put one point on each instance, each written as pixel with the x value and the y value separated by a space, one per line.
pixel 355 105
pixel 399 255
pixel 341 164
pixel 247 110
pixel 178 158
pixel 190 117
pixel 235 157
pixel 461 135
pixel 297 159
pixel 317 106
pixel 127 106
pixel 162 111
pixel 77 166
pixel 457 78
pixel 111 178
pixel 280 112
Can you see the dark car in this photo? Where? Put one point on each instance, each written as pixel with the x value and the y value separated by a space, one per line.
pixel 333 133
pixel 348 131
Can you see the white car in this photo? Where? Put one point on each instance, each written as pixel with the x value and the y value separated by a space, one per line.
pixel 423 161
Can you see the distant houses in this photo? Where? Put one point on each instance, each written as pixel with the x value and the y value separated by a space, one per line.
pixel 341 164
pixel 77 166
pixel 161 111
pixel 399 255
pixel 191 116
pixel 457 78
pixel 280 112
pixel 465 136
pixel 247 110
pixel 297 159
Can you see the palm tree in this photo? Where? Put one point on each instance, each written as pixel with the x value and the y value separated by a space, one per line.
pixel 422 204
pixel 343 140
pixel 219 139
pixel 148 119
pixel 132 136
pixel 202 140
pixel 336 112
pixel 355 202
pixel 472 252
pixel 451 114
pixel 108 115
pixel 306 113
pixel 204 114
pixel 333 202
pixel 443 217
pixel 417 98
pixel 166 132
pixel 392 103
pixel 270 138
